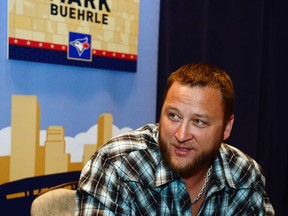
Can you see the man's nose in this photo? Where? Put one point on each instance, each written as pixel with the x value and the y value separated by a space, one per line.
pixel 183 133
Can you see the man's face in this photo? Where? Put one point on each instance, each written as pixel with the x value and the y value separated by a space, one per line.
pixel 191 127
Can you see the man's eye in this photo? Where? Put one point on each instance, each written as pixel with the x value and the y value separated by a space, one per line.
pixel 173 116
pixel 200 123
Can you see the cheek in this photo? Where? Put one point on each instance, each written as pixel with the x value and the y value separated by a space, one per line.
pixel 164 125
pixel 167 130
pixel 166 133
pixel 216 140
pixel 209 139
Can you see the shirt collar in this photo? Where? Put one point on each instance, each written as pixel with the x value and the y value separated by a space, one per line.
pixel 163 174
pixel 221 175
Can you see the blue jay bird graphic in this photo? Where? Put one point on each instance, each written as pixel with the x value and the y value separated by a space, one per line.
pixel 80 45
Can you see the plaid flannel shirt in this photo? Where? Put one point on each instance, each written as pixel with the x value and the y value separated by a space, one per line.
pixel 127 177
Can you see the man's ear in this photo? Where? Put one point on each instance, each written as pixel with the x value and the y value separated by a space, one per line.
pixel 228 127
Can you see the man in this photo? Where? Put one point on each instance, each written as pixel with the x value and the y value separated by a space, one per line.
pixel 181 165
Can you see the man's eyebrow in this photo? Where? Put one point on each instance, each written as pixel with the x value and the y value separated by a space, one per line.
pixel 171 107
pixel 205 116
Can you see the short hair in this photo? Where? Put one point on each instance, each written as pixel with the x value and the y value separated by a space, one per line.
pixel 202 75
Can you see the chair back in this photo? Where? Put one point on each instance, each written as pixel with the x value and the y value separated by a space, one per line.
pixel 60 201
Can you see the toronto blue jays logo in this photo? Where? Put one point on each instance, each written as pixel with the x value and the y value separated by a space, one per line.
pixel 79 46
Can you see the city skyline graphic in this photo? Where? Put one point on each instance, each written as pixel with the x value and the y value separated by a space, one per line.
pixel 30 159
pixel 36 163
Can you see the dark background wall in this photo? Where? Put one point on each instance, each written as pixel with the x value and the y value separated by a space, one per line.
pixel 248 39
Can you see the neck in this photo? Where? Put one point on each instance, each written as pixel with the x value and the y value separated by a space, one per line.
pixel 196 184
pixel 196 177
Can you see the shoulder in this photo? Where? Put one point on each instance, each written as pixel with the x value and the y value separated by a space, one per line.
pixel 141 138
pixel 240 169
pixel 236 157
pixel 118 147
pixel 130 155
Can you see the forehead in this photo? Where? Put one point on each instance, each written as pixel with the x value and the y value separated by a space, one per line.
pixel 179 90
pixel 194 99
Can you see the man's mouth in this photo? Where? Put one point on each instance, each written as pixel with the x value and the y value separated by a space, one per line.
pixel 181 150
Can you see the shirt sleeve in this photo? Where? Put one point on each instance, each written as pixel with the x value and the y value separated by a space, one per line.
pixel 99 190
pixel 265 205
pixel 259 203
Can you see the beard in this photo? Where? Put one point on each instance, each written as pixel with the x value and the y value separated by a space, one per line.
pixel 193 166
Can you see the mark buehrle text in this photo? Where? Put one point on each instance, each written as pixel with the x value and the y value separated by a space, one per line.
pixel 82 14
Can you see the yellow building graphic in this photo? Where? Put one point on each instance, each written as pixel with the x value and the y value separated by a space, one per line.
pixel 104 133
pixel 28 158
pixel 25 129
pixel 56 160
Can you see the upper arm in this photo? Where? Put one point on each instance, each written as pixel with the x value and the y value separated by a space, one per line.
pixel 99 191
